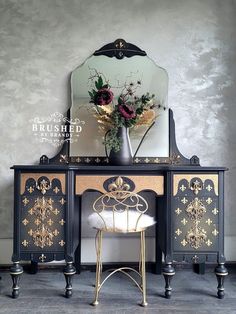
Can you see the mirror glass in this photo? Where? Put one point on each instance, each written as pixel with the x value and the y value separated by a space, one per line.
pixel 146 77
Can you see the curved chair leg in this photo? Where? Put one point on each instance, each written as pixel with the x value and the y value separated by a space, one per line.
pixel 98 266
pixel 143 268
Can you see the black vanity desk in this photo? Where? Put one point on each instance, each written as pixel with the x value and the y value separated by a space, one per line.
pixel 189 214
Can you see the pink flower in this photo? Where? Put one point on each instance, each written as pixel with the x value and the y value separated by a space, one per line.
pixel 103 97
pixel 127 111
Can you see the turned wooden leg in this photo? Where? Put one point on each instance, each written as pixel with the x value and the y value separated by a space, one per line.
pixel 168 272
pixel 221 272
pixel 16 270
pixel 69 271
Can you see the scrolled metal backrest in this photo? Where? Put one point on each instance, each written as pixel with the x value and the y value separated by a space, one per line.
pixel 120 200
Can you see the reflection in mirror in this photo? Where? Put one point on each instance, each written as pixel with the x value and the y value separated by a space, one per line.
pixel 120 73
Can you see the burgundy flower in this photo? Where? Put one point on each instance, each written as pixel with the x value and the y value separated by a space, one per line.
pixel 127 111
pixel 103 97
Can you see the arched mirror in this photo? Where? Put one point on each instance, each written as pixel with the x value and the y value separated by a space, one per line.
pixel 120 65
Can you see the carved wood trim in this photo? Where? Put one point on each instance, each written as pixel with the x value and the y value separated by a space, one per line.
pixel 153 183
pixel 36 176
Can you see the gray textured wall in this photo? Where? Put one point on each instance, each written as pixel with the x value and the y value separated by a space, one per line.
pixel 42 41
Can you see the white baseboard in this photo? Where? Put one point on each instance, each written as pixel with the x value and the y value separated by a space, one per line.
pixel 115 249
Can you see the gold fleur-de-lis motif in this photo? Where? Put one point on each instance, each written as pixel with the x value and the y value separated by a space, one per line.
pixel 184 221
pixel 78 160
pixel 25 243
pixel 42 257
pixel 25 201
pixel 55 211
pixel 55 232
pixel 50 222
pixel 56 190
pixel 209 187
pixel 184 242
pixel 25 222
pixel 182 188
pixel 209 200
pixel 43 186
pixel 184 200
pixel 118 185
pixel 62 201
pixel 178 211
pixel 147 160
pixel 62 243
pixel 136 160
pixel 196 187
pixel 157 160
pixel 87 160
pixel 215 232
pixel 30 189
pixel 62 222
pixel 208 242
pixel 30 232
pixel 178 231
pixel 37 222
pixel 209 221
pixel 215 211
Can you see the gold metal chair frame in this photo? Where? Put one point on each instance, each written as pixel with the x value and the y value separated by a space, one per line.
pixel 120 200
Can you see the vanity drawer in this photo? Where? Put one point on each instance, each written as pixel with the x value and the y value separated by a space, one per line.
pixel 195 212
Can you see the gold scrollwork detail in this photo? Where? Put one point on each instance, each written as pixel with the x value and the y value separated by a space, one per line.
pixel 43 186
pixel 42 207
pixel 196 186
pixel 196 236
pixel 42 236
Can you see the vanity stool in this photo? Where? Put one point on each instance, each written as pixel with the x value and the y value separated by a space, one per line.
pixel 120 211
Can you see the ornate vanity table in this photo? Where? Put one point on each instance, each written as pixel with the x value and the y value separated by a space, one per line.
pixel 189 198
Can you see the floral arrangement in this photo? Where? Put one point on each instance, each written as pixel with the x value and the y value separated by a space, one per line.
pixel 128 110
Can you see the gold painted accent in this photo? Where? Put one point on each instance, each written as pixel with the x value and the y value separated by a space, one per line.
pixel 196 209
pixel 62 201
pixel 30 232
pixel 37 222
pixel 184 221
pixel 209 188
pixel 36 176
pixel 56 232
pixel 30 189
pixel 215 232
pixel 215 211
pixel 56 190
pixel 31 211
pixel 50 222
pixel 25 201
pixel 184 242
pixel 196 187
pixel 25 243
pixel 43 236
pixel 182 188
pixel 208 242
pixel 42 207
pixel 43 186
pixel 209 221
pixel 178 231
pixel 196 236
pixel 154 183
pixel 56 211
pixel 184 200
pixel 42 257
pixel 25 222
pixel 62 222
pixel 62 243
pixel 178 211
pixel 118 184
pixel 209 200
pixel 189 177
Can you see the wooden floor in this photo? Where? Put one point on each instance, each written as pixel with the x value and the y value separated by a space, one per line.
pixel 43 293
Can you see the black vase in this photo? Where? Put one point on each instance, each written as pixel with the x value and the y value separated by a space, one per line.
pixel 123 156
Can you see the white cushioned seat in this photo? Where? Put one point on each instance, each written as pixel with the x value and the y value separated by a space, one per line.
pixel 120 219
